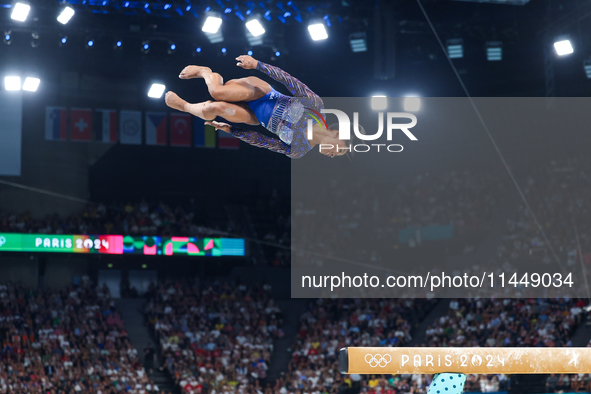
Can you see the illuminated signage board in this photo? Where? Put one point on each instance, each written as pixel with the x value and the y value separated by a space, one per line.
pixel 122 244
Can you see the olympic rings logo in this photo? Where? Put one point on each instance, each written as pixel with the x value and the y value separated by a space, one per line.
pixel 378 360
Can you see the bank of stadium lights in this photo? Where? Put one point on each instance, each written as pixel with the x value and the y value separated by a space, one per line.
pixel 31 84
pixel 212 27
pixel 212 24
pixel 35 39
pixel 255 28
pixel 20 11
pixel 13 83
pixel 379 102
pixel 455 48
pixel 65 15
pixel 254 31
pixel 587 67
pixel 563 46
pixel 317 31
pixel 358 42
pixel 494 51
pixel 156 90
pixel 412 103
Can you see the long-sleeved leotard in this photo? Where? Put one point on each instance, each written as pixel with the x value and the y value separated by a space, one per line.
pixel 289 120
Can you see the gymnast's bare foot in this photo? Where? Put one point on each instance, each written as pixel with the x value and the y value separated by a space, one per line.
pixel 174 101
pixel 190 72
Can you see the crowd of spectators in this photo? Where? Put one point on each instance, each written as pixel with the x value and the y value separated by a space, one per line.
pixel 486 322
pixel 132 218
pixel 214 339
pixel 66 341
pixel 360 218
pixel 559 196
pixel 329 325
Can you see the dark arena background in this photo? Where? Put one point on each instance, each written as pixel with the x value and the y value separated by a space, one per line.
pixel 143 252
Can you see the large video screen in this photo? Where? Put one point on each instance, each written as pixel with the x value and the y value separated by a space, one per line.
pixel 122 244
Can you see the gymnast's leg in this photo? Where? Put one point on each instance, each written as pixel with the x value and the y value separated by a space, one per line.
pixel 209 110
pixel 243 89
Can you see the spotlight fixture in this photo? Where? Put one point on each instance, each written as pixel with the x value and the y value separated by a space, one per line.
pixel 587 67
pixel 156 90
pixel 171 48
pixel 563 46
pixel 89 44
pixel 117 45
pixel 12 83
pixel 317 31
pixel 455 48
pixel 31 84
pixel 224 50
pixel 212 24
pixel 63 41
pixel 211 27
pixel 358 42
pixel 249 53
pixel 255 28
pixel 7 37
pixel 494 51
pixel 198 49
pixel 20 11
pixel 379 102
pixel 412 104
pixel 34 39
pixel 145 47
pixel 65 15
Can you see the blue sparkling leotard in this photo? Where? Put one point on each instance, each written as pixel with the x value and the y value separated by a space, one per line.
pixel 288 119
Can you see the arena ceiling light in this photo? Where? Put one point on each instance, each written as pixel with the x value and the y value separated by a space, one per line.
pixel 455 48
pixel 563 47
pixel 7 37
pixel 358 42
pixel 255 28
pixel 156 90
pixel 587 67
pixel 379 102
pixel 212 24
pixel 412 103
pixel 317 31
pixel 494 51
pixel 66 14
pixel 12 83
pixel 20 11
pixel 31 84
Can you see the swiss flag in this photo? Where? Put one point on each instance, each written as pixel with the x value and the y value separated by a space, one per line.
pixel 180 129
pixel 80 124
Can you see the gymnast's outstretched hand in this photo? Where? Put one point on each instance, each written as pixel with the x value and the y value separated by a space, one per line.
pixel 247 62
pixel 219 126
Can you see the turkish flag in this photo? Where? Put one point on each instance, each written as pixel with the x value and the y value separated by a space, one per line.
pixel 80 124
pixel 180 129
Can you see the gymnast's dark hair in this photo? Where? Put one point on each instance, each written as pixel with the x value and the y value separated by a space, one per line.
pixel 335 126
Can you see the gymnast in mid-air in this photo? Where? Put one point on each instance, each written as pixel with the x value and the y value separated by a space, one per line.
pixel 253 101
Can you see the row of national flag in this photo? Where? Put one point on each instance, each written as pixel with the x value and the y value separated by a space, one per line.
pixel 132 128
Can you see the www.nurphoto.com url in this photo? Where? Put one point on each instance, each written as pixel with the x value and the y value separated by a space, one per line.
pixel 440 280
